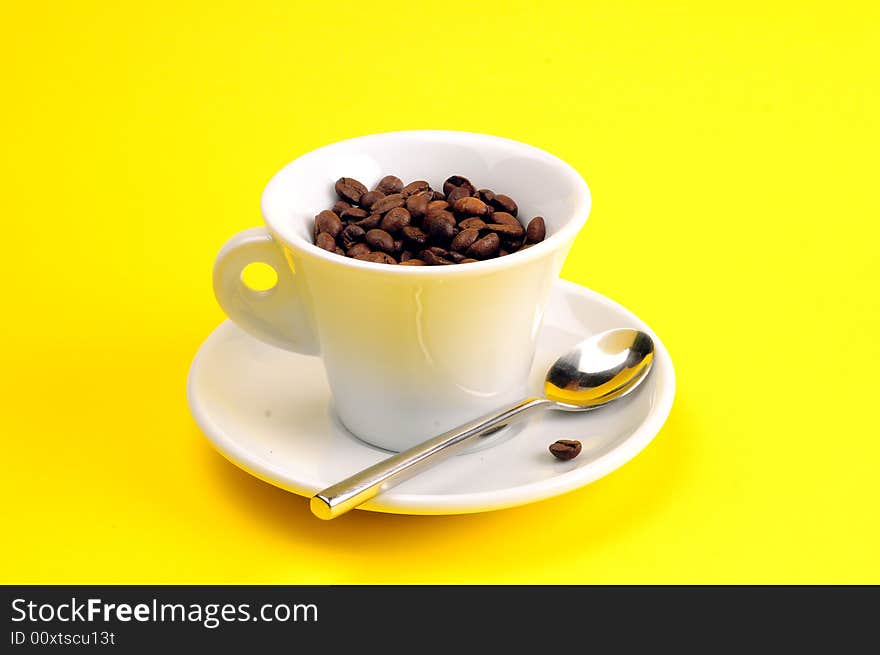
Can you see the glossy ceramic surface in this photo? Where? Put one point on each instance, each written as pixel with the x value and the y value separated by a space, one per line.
pixel 271 413
pixel 408 352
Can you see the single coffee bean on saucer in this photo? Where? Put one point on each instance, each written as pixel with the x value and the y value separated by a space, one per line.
pixel 565 449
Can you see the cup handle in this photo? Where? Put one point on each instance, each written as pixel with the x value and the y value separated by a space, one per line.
pixel 277 315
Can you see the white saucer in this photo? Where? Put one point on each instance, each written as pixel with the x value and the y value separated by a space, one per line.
pixel 269 412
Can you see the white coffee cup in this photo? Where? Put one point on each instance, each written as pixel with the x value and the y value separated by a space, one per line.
pixel 409 351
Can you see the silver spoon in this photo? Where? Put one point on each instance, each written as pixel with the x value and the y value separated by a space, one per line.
pixel 603 368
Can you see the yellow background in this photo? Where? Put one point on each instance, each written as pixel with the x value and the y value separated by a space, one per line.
pixel 732 155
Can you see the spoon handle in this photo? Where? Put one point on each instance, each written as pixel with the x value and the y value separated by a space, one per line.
pixel 346 495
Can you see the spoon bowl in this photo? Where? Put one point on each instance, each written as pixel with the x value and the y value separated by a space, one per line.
pixel 600 369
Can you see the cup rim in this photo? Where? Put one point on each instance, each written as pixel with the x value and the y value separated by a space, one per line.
pixel 561 237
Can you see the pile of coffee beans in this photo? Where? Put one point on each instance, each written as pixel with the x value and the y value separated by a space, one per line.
pixel 414 225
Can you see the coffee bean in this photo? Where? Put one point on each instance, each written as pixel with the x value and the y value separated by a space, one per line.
pixel 441 215
pixel 440 252
pixel 340 206
pixel 326 241
pixel 438 195
pixel 503 218
pixel 390 184
pixel 355 214
pixel 351 235
pixel 511 245
pixel 395 220
pixel 436 206
pixel 415 187
pixel 464 239
pixel 502 252
pixel 536 231
pixel 369 222
pixel 377 257
pixel 485 247
pixel 415 237
pixel 471 206
pixel 350 189
pixel 398 247
pixel 432 259
pixel 358 249
pixel 508 231
pixel 387 203
pixel 441 231
pixel 457 194
pixel 458 181
pixel 412 262
pixel 456 257
pixel 417 204
pixel 468 260
pixel 565 449
pixel 486 195
pixel 369 198
pixel 472 223
pixel 525 246
pixel 379 240
pixel 339 251
pixel 406 255
pixel 329 223
pixel 504 204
